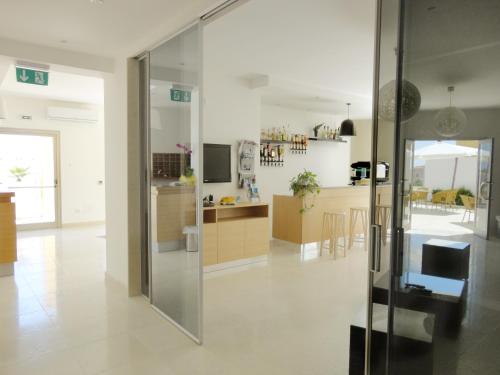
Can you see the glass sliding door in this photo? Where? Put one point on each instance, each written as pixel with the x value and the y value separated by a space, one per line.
pixel 382 194
pixel 174 178
pixel 440 290
pixel 29 167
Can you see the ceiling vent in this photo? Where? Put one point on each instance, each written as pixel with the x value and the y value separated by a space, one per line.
pixel 72 114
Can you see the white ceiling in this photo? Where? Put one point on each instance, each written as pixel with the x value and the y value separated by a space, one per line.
pixel 107 29
pixel 323 44
pixel 320 52
pixel 64 84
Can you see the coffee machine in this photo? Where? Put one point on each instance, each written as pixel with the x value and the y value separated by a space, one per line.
pixel 361 172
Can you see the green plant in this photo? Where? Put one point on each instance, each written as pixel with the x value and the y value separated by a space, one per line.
pixel 434 191
pixel 462 191
pixel 304 184
pixel 19 172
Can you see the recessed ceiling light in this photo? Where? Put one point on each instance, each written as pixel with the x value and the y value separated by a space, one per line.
pixel 99 2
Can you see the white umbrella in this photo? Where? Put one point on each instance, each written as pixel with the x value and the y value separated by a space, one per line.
pixel 440 150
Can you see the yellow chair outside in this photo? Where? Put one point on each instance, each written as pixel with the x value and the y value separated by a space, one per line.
pixel 446 198
pixel 470 206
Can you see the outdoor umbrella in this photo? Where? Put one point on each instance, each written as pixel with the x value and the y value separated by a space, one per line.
pixel 440 150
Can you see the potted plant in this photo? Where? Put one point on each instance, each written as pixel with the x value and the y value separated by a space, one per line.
pixel 187 177
pixel 303 185
pixel 19 173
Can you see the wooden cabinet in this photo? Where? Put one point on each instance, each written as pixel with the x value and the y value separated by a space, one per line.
pixel 8 240
pixel 233 233
pixel 209 244
pixel 256 237
pixel 231 240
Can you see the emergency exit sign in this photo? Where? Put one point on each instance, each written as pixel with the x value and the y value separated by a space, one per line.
pixel 31 76
pixel 177 95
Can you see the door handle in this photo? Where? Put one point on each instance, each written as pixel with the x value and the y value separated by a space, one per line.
pixel 400 239
pixel 375 247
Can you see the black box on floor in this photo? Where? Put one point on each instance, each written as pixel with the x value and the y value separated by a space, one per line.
pixel 448 259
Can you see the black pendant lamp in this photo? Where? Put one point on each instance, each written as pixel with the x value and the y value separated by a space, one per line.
pixel 347 126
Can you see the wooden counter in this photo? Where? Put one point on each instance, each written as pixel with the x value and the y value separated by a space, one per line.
pixel 172 209
pixel 290 225
pixel 233 233
pixel 8 239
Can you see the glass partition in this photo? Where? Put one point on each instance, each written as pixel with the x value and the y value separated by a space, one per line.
pixel 175 279
pixel 434 279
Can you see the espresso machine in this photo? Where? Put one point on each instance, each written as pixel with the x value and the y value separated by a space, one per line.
pixel 361 172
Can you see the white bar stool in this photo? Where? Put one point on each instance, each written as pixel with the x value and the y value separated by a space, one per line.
pixel 384 219
pixel 333 224
pixel 356 212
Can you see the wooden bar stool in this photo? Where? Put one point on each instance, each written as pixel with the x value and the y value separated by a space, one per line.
pixel 333 224
pixel 383 219
pixel 356 212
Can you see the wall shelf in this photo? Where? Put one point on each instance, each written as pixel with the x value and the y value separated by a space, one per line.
pixel 327 140
pixel 263 141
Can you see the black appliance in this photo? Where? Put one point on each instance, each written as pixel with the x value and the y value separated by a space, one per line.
pixel 216 163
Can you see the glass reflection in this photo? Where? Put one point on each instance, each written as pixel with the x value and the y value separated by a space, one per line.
pixel 174 152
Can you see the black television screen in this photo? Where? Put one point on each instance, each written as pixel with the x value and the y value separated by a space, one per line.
pixel 216 163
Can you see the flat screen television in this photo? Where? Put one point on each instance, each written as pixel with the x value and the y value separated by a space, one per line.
pixel 216 163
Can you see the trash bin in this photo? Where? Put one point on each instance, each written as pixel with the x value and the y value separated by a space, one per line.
pixel 191 233
pixel 498 226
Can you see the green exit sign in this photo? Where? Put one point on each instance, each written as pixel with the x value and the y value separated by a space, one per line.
pixel 177 95
pixel 31 76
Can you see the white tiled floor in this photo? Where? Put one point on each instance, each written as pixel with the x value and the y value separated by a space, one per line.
pixel 58 315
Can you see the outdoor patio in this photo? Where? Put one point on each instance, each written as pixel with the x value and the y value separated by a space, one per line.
pixel 437 221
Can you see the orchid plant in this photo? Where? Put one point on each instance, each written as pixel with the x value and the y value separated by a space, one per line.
pixel 188 172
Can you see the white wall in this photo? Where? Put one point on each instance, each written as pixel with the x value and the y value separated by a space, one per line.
pixel 115 104
pixel 81 156
pixel 439 174
pixel 329 160
pixel 231 114
pixel 361 144
pixel 169 126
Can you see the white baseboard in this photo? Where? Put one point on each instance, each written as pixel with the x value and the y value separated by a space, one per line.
pixel 234 263
pixel 82 224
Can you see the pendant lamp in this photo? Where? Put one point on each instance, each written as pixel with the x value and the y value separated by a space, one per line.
pixel 410 101
pixel 347 126
pixel 3 109
pixel 450 121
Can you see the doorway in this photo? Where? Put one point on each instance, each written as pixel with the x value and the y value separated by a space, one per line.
pixel 29 166
pixel 448 186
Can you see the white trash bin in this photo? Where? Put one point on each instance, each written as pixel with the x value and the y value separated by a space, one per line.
pixel 192 237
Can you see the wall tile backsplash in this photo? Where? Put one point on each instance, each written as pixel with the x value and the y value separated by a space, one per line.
pixel 169 165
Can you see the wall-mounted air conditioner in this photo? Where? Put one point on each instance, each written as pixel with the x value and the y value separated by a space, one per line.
pixel 72 114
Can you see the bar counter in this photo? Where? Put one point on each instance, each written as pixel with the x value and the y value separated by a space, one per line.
pixel 289 224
